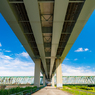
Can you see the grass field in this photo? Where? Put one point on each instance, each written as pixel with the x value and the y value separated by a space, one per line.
pixel 79 90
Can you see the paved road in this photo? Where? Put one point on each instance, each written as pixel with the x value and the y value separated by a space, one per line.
pixel 50 91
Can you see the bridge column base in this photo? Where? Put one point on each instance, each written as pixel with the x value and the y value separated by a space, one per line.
pixel 43 79
pixel 37 72
pixel 58 73
pixel 52 80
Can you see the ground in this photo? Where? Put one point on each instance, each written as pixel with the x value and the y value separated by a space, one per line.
pixel 50 91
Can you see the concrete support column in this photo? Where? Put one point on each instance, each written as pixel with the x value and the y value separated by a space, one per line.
pixel 43 79
pixel 52 80
pixel 37 72
pixel 58 73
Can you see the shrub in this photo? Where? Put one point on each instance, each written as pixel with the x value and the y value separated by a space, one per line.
pixel 18 89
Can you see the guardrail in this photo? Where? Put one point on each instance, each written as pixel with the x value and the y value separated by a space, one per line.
pixel 16 80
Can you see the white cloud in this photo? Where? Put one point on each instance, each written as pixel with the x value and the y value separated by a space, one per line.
pixel 67 59
pixel 94 68
pixel 81 50
pixel 75 59
pixel 2 56
pixel 16 73
pixel 8 57
pixel 88 66
pixel 0 45
pixel 73 71
pixel 24 54
pixel 4 68
pixel 15 67
pixel 7 51
pixel 86 49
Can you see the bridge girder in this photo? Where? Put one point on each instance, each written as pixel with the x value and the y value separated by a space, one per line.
pixel 47 28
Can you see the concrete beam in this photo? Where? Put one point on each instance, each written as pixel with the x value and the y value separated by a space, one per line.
pixel 15 1
pixel 59 17
pixel 11 19
pixel 85 13
pixel 34 18
pixel 76 1
pixel 45 1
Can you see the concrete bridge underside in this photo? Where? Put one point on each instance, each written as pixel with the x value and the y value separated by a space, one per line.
pixel 47 29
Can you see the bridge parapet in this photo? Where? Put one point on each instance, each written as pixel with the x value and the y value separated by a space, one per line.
pixel 30 80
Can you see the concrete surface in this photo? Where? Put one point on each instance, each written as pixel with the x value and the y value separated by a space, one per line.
pixel 50 91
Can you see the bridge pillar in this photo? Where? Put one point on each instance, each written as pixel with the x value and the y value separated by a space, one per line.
pixel 53 80
pixel 58 73
pixel 37 72
pixel 43 79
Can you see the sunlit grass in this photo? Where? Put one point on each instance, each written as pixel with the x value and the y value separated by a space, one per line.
pixel 79 90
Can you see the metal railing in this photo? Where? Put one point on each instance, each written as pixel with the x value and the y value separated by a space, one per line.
pixel 30 80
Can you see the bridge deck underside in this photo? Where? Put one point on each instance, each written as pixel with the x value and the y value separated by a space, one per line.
pixel 46 11
pixel 46 20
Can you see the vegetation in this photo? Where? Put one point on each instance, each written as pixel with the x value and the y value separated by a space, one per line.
pixel 79 90
pixel 18 90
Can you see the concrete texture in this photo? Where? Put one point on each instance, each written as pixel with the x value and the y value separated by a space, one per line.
pixel 50 91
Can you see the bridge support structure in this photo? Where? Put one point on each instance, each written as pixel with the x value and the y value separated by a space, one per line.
pixel 58 73
pixel 53 80
pixel 37 72
pixel 43 79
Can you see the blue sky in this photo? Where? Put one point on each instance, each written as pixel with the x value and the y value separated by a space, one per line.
pixel 15 61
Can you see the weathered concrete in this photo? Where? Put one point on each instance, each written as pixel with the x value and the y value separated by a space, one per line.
pixel 50 91
pixel 44 80
pixel 37 72
pixel 58 73
pixel 52 80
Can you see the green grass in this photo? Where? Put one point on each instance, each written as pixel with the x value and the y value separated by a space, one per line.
pixel 79 90
pixel 18 89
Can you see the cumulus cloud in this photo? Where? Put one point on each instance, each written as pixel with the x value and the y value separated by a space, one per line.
pixel 67 59
pixel 10 66
pixel 3 57
pixel 81 50
pixel 7 51
pixel 86 49
pixel 17 73
pixel 88 66
pixel 24 54
pixel 0 45
pixel 73 71
pixel 75 59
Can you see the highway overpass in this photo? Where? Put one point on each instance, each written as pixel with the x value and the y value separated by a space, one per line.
pixel 47 29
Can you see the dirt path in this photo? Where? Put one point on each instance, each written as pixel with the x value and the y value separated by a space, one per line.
pixel 51 91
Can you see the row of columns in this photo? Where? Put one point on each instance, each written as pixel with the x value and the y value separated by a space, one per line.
pixel 58 74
